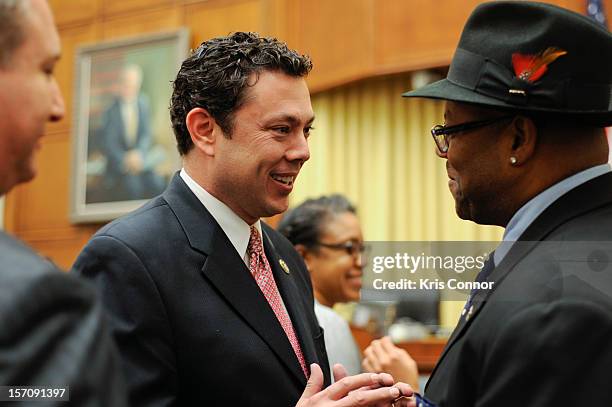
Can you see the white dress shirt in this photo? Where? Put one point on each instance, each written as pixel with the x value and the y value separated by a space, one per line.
pixel 236 229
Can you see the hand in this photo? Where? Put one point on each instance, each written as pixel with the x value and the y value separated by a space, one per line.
pixel 133 161
pixel 366 389
pixel 383 356
pixel 402 401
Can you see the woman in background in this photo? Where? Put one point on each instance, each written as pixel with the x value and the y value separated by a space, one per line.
pixel 327 234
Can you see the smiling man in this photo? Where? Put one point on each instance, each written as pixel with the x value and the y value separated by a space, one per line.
pixel 528 95
pixel 209 305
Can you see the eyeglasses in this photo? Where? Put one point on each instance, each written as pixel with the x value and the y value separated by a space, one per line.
pixel 351 247
pixel 441 132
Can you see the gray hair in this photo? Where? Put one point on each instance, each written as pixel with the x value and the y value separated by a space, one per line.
pixel 12 34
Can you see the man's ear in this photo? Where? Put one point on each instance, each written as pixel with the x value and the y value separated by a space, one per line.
pixel 203 130
pixel 524 139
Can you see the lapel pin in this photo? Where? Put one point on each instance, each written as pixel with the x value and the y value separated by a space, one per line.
pixel 469 314
pixel 284 266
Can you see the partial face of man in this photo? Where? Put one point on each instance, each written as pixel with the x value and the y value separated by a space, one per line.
pixel 255 169
pixel 475 164
pixel 29 95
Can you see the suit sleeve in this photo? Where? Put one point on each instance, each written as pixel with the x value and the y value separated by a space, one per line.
pixel 54 335
pixel 548 355
pixel 138 319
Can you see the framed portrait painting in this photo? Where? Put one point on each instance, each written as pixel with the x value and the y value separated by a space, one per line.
pixel 123 147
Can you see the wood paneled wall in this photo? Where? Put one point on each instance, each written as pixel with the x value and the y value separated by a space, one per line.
pixel 347 40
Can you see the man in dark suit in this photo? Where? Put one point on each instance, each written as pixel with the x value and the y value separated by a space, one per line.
pixel 52 332
pixel 210 306
pixel 126 141
pixel 527 99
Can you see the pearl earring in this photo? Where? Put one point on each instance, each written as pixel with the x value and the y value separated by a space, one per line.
pixel 513 160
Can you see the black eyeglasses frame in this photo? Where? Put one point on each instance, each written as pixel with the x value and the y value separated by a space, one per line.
pixel 347 246
pixel 445 131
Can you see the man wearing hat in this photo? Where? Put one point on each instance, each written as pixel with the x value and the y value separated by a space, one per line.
pixel 528 95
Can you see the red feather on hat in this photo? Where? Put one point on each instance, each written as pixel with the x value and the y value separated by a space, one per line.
pixel 530 68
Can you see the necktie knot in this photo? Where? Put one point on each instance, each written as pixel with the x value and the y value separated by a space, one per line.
pixel 255 250
pixel 254 242
pixel 487 268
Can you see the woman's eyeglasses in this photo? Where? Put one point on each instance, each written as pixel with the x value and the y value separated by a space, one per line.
pixel 351 247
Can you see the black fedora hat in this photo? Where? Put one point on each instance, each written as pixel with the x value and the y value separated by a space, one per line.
pixel 531 57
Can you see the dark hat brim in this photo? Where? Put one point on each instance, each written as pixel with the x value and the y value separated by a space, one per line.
pixel 447 90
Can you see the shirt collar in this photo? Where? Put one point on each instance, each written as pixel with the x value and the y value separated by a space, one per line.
pixel 236 229
pixel 533 208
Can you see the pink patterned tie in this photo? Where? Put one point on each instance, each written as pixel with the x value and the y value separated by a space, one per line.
pixel 262 272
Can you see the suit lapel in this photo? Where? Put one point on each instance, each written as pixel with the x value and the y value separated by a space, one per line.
pixel 515 254
pixel 567 207
pixel 227 272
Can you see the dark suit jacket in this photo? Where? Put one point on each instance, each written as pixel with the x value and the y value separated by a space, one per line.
pixel 114 141
pixel 192 325
pixel 543 337
pixel 52 332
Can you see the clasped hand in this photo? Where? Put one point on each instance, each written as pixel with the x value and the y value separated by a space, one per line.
pixel 366 389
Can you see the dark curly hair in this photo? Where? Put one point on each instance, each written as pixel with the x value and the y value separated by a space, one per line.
pixel 305 223
pixel 216 75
